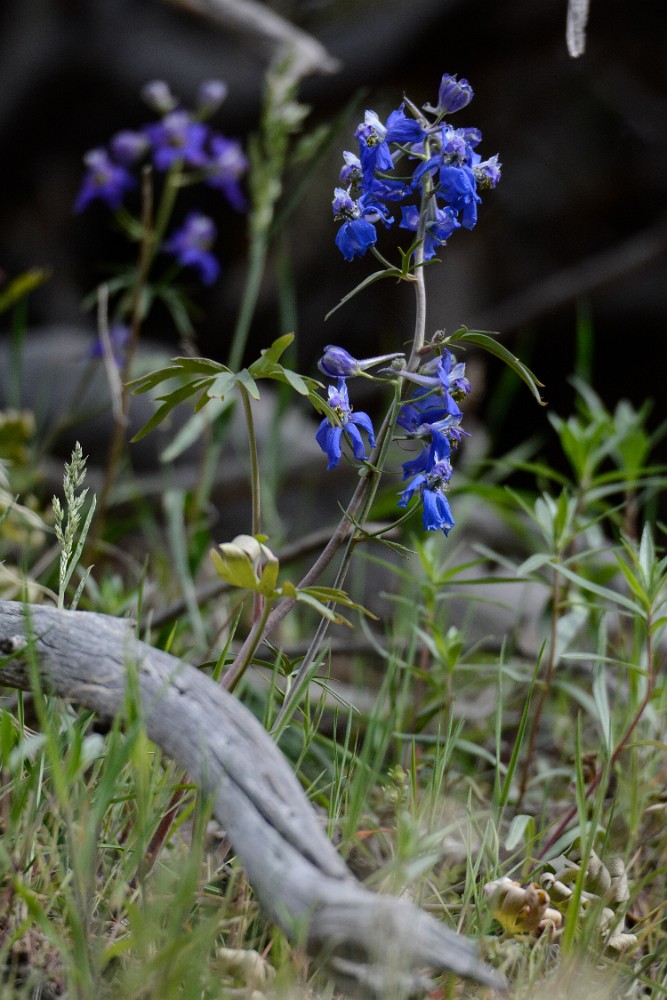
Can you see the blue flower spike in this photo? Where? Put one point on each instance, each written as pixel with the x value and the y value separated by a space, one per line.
pixel 401 159
pixel 433 417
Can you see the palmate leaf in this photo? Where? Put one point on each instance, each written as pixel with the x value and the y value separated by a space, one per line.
pixel 486 342
pixel 200 366
pixel 209 380
pixel 168 403
pixel 268 366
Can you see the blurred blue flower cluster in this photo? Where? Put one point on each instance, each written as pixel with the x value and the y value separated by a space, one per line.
pixel 179 141
pixel 419 161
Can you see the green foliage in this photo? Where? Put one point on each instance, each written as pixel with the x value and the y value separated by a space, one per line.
pixel 209 380
pixel 69 530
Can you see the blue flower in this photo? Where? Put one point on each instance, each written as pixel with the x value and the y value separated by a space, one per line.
pixel 457 186
pixel 336 362
pixel 350 174
pixel 437 513
pixel 440 225
pixel 443 374
pixel 424 413
pixel 487 173
pixel 177 137
pixel 431 472
pixel 128 147
pixel 104 180
pixel 119 338
pixel 158 96
pixel 374 138
pixel 404 158
pixel 191 245
pixel 224 168
pixel 452 167
pixel 358 232
pixel 329 434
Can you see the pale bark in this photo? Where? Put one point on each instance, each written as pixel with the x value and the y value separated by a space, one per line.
pixel 380 943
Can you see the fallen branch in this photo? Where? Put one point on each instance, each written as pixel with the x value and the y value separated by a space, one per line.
pixel 379 943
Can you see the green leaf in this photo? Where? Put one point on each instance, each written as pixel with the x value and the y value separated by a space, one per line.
pixel 21 286
pixel 221 385
pixel 609 596
pixel 193 428
pixel 147 382
pixel 521 831
pixel 270 356
pixel 200 366
pixel 245 379
pixel 297 382
pixel 269 578
pixel 392 272
pixel 336 596
pixel 487 343
pixel 163 411
pixel 326 612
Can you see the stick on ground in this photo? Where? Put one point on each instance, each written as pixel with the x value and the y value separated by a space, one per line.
pixel 380 944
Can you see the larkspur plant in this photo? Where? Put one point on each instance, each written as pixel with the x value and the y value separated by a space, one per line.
pixel 182 147
pixel 180 150
pixel 420 162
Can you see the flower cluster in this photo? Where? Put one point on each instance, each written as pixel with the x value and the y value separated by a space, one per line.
pixel 433 417
pixel 420 162
pixel 182 141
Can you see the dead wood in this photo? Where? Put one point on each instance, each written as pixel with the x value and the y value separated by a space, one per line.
pixel 378 943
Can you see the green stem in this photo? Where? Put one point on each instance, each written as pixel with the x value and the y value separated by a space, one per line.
pixel 372 481
pixel 255 482
pixel 244 656
pixel 256 263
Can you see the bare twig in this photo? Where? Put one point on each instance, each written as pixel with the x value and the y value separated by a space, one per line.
pixel 575 31
pixel 259 23
pixel 378 942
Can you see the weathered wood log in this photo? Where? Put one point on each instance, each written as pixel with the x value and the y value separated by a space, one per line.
pixel 378 943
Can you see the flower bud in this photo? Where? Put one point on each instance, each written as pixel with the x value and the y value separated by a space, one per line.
pixel 336 362
pixel 159 97
pixel 453 94
pixel 210 96
pixel 128 147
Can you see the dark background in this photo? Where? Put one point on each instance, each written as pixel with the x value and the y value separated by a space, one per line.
pixel 577 225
